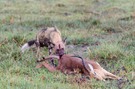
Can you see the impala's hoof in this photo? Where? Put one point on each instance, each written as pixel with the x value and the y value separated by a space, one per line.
pixel 39 66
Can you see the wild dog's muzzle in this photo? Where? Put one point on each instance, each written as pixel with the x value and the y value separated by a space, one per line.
pixel 60 52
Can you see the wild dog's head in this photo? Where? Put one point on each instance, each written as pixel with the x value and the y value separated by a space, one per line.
pixel 60 47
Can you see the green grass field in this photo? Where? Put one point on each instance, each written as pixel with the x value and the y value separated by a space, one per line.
pixel 99 29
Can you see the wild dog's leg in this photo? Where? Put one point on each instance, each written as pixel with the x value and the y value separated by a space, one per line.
pixel 38 49
pixel 50 53
pixel 37 54
pixel 42 59
pixel 51 59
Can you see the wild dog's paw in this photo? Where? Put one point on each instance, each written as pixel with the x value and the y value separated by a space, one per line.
pixel 40 60
pixel 120 78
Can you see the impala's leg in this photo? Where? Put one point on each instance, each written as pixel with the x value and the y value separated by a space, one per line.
pixel 99 74
pixel 71 72
pixel 39 65
pixel 99 77
pixel 49 67
pixel 110 75
pixel 85 74
pixel 46 65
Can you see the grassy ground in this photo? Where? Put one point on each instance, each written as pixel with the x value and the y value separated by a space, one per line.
pixel 100 29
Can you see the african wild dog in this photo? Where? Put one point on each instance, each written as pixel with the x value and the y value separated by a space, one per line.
pixel 49 37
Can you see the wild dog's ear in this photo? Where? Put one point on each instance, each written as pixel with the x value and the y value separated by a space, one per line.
pixel 55 28
pixel 64 40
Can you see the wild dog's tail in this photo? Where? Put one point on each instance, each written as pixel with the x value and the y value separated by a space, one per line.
pixel 28 45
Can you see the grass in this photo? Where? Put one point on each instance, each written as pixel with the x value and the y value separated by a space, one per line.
pixel 106 27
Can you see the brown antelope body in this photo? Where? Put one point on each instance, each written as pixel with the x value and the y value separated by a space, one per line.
pixel 69 64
